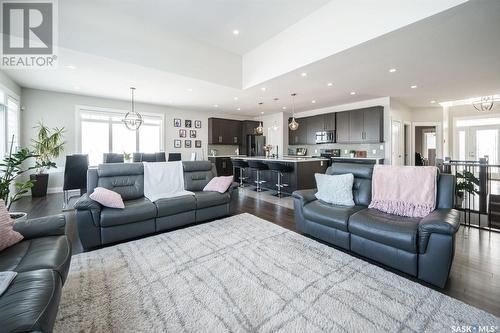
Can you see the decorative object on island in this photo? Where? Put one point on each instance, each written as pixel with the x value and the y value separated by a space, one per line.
pixel 268 148
pixel 10 169
pixel 197 143
pixel 127 157
pixel 177 143
pixel 177 122
pixel 182 133
pixel 260 128
pixel 197 124
pixel 133 119
pixel 48 145
pixel 187 123
pixel 192 134
pixel 187 143
pixel 293 125
pixel 485 103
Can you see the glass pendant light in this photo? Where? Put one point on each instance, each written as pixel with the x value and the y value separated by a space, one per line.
pixel 275 124
pixel 132 120
pixel 293 125
pixel 260 128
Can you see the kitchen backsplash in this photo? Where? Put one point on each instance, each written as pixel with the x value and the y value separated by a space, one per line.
pixel 223 149
pixel 372 149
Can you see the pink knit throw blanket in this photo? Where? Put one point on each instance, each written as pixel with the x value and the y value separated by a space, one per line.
pixel 404 190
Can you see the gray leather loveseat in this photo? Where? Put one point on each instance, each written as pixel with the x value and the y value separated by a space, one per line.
pixel 41 261
pixel 98 225
pixel 423 248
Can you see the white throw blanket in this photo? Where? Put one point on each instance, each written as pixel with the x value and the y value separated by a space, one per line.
pixel 164 180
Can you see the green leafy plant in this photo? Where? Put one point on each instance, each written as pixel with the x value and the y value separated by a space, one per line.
pixel 127 156
pixel 466 182
pixel 11 168
pixel 48 145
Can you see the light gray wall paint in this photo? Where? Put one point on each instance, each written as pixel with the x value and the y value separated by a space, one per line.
pixel 58 110
pixel 8 83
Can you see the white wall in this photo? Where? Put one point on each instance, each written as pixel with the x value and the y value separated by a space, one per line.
pixel 58 110
pixel 8 83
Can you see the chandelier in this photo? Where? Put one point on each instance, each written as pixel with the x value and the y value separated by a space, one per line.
pixel 293 125
pixel 133 120
pixel 260 129
pixel 485 104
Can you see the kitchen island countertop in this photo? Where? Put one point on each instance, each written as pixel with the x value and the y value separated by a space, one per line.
pixel 282 159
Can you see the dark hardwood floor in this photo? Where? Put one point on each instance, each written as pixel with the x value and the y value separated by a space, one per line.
pixel 474 277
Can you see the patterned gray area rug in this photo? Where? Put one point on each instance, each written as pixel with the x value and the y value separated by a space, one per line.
pixel 243 274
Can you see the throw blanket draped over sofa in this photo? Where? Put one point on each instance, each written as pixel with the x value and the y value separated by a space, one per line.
pixel 164 180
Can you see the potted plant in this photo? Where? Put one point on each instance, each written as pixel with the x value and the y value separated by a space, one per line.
pixel 466 183
pixel 11 189
pixel 127 157
pixel 48 145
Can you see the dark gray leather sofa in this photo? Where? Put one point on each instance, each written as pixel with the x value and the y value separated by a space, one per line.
pixel 42 262
pixel 423 248
pixel 98 225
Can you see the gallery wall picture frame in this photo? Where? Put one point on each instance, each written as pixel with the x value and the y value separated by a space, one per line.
pixel 197 124
pixel 177 143
pixel 177 122
pixel 188 123
pixel 197 143
pixel 192 134
pixel 182 133
pixel 187 143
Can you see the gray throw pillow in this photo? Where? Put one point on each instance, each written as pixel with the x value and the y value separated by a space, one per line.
pixel 335 189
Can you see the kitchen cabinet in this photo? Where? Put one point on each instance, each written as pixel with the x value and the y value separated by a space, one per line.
pixel 248 128
pixel 298 137
pixel 223 165
pixel 314 124
pixel 224 131
pixel 361 126
pixel 373 120
pixel 356 126
pixel 342 127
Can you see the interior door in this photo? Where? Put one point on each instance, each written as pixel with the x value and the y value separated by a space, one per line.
pixel 478 142
pixel 396 154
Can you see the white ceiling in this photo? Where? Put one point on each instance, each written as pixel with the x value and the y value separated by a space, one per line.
pixel 450 55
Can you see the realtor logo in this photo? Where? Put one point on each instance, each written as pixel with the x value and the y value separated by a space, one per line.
pixel 28 34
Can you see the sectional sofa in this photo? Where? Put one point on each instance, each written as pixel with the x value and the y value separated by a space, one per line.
pixel 98 225
pixel 423 248
pixel 41 261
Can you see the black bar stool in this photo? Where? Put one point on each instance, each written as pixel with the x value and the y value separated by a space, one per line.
pixel 280 168
pixel 242 165
pixel 258 166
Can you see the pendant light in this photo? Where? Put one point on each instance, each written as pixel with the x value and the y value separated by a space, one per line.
pixel 260 128
pixel 132 120
pixel 293 125
pixel 275 123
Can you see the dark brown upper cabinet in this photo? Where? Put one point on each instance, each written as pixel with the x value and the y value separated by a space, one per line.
pixel 361 126
pixel 224 131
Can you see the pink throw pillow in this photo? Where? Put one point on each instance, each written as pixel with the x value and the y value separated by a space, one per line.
pixel 8 236
pixel 107 198
pixel 219 184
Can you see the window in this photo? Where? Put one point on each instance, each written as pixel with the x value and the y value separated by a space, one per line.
pixel 9 122
pixel 102 131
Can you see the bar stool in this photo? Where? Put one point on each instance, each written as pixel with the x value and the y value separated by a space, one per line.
pixel 242 165
pixel 280 168
pixel 258 166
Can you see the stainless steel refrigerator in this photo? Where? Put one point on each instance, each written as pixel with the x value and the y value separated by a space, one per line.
pixel 255 145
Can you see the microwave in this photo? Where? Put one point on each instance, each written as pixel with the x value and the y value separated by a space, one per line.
pixel 325 137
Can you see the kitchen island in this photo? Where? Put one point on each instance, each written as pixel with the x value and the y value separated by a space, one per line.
pixel 300 178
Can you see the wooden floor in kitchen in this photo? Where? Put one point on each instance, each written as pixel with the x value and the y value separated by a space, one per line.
pixel 474 277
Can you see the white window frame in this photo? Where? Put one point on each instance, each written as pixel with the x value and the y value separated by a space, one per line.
pixel 10 94
pixel 116 112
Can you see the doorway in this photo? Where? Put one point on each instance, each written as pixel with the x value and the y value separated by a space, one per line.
pixel 407 143
pixel 396 143
pixel 425 145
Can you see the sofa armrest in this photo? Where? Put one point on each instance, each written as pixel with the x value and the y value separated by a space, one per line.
pixel 85 203
pixel 305 196
pixel 442 221
pixel 54 225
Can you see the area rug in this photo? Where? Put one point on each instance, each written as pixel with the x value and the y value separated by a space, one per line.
pixel 244 274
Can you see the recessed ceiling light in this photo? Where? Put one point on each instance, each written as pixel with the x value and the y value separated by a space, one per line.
pixel 353 93
pixel 303 74
pixel 236 32
pixel 329 84
pixel 413 86
pixel 433 102
pixel 392 70
pixel 283 107
pixel 262 112
pixel 189 89
pixel 313 101
pixel 263 88
pixel 70 67
pixel 216 105
pixel 235 98
pixel 238 109
pixel 76 87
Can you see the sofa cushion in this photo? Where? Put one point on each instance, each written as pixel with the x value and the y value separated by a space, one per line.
pixel 30 302
pixel 392 230
pixel 329 215
pixel 335 189
pixel 171 206
pixel 51 252
pixel 107 198
pixel 135 210
pixel 209 199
